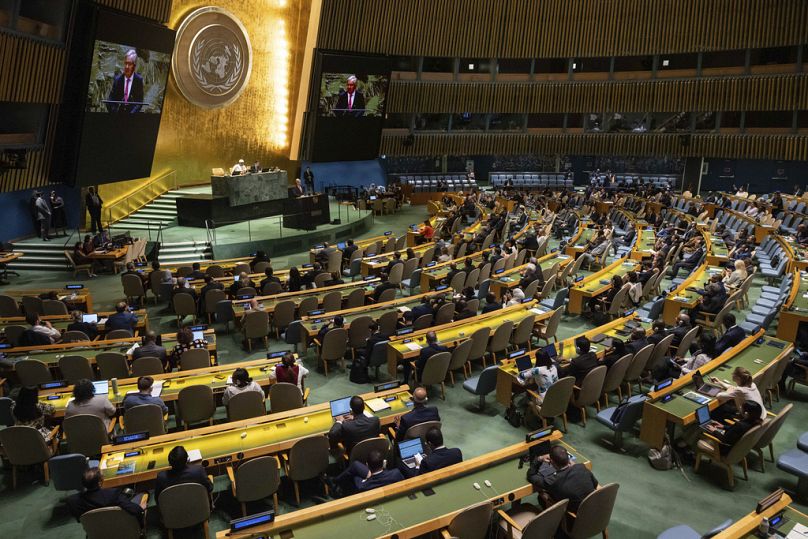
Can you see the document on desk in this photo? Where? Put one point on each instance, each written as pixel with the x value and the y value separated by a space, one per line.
pixel 377 405
pixel 414 346
pixel 799 531
pixel 157 388
pixel 194 455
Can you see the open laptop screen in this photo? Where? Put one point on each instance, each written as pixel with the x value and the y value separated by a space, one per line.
pixel 410 448
pixel 90 318
pixel 703 414
pixel 340 407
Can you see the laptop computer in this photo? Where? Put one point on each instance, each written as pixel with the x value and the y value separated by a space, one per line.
pixel 90 318
pixel 703 387
pixel 706 423
pixel 341 246
pixel 101 387
pixel 550 350
pixel 199 335
pixel 340 407
pixel 524 364
pixel 408 449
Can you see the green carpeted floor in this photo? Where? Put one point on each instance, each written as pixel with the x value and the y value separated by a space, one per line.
pixel 649 501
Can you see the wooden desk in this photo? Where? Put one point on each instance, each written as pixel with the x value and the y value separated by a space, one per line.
pixel 61 321
pixel 268 303
pixel 362 244
pixel 82 300
pixel 577 244
pixel 400 517
pixel 372 265
pixel 746 527
pixel 658 417
pixel 644 247
pixel 507 380
pixel 227 264
pixel 509 279
pixel 597 284
pixel 236 440
pixel 312 324
pixel 214 377
pixel 795 309
pixel 450 335
pixel 432 276
pixel 682 298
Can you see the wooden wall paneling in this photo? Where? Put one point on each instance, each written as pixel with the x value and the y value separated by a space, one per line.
pixel 559 28
pixel 759 92
pixel 787 147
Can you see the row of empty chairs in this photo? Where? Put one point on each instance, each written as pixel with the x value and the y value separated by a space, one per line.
pixel 422 183
pixel 530 179
pixel 629 180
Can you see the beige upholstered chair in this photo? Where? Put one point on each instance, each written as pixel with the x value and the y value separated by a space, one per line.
pixel 471 523
pixel 75 368
pixel 590 391
pixel 184 505
pixel 555 401
pixel 245 405
pixel 307 459
pixel 144 418
pixel 110 522
pixel 530 522
pixel 195 404
pixel 112 365
pixel 254 480
pixel 593 515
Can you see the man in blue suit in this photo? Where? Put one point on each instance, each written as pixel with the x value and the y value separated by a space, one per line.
pixel 363 477
pixel 688 263
pixel 731 337
pixel 432 347
pixel 421 413
pixel 122 319
pixel 425 307
pixel 440 455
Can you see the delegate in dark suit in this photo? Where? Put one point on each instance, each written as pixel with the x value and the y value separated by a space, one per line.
pixel 732 337
pixel 357 473
pixel 80 503
pixel 427 352
pixel 121 320
pixel 580 366
pixel 150 349
pixel 91 330
pixel 191 473
pixel 420 414
pixel 356 107
pixel 353 431
pixel 117 94
pixel 440 458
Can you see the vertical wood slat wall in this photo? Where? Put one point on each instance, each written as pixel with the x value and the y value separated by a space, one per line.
pixel 784 147
pixel 559 28
pixel 32 71
pixel 763 92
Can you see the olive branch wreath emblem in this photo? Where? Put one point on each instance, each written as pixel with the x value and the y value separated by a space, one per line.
pixel 202 80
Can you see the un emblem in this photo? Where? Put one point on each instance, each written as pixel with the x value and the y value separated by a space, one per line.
pixel 212 57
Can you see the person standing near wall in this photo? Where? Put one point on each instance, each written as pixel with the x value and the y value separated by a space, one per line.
pixel 94 204
pixel 43 215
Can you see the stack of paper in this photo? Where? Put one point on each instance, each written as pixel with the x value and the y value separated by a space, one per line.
pixel 414 346
pixel 194 455
pixel 377 405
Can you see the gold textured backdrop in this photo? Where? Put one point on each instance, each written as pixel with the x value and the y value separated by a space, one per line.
pixel 257 126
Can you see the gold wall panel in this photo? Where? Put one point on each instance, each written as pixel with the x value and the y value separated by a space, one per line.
pixel 559 28
pixel 193 140
pixel 785 147
pixel 758 92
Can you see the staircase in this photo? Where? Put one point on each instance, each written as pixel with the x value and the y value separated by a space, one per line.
pixel 185 251
pixel 41 255
pixel 159 213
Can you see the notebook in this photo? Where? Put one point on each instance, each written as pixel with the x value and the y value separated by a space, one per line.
pixel 378 404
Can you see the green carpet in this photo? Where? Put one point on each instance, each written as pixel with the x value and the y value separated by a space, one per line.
pixel 649 501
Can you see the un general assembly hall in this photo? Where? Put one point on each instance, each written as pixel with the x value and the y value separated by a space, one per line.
pixel 404 269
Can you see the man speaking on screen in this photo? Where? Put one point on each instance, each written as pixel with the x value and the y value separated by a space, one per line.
pixel 351 102
pixel 127 88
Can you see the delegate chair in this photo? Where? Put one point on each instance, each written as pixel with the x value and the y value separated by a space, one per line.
pixel 133 288
pixel 614 378
pixel 86 434
pixel 361 450
pixel 32 372
pixel 147 366
pixel 195 404
pixel 590 391
pixel 25 446
pixel 254 480
pixel 70 336
pixel 435 372
pixel 530 522
pixel 67 471
pixel 184 505
pixel 628 417
pixel 471 523
pixel 307 459
pixel 195 358
pixel 555 401
pixel 144 418
pixel 53 307
pixel 769 432
pixel 184 305
pixel 282 316
pixel 736 455
pixel 245 405
pixel 594 514
pixel 460 359
pixel 9 307
pixel 118 334
pixel 75 368
pixel 112 365
pixel 483 384
pixel 333 347
pixel 14 333
pixel 6 418
pixel 284 396
pixel 212 299
pixel 256 326
pixel 110 522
